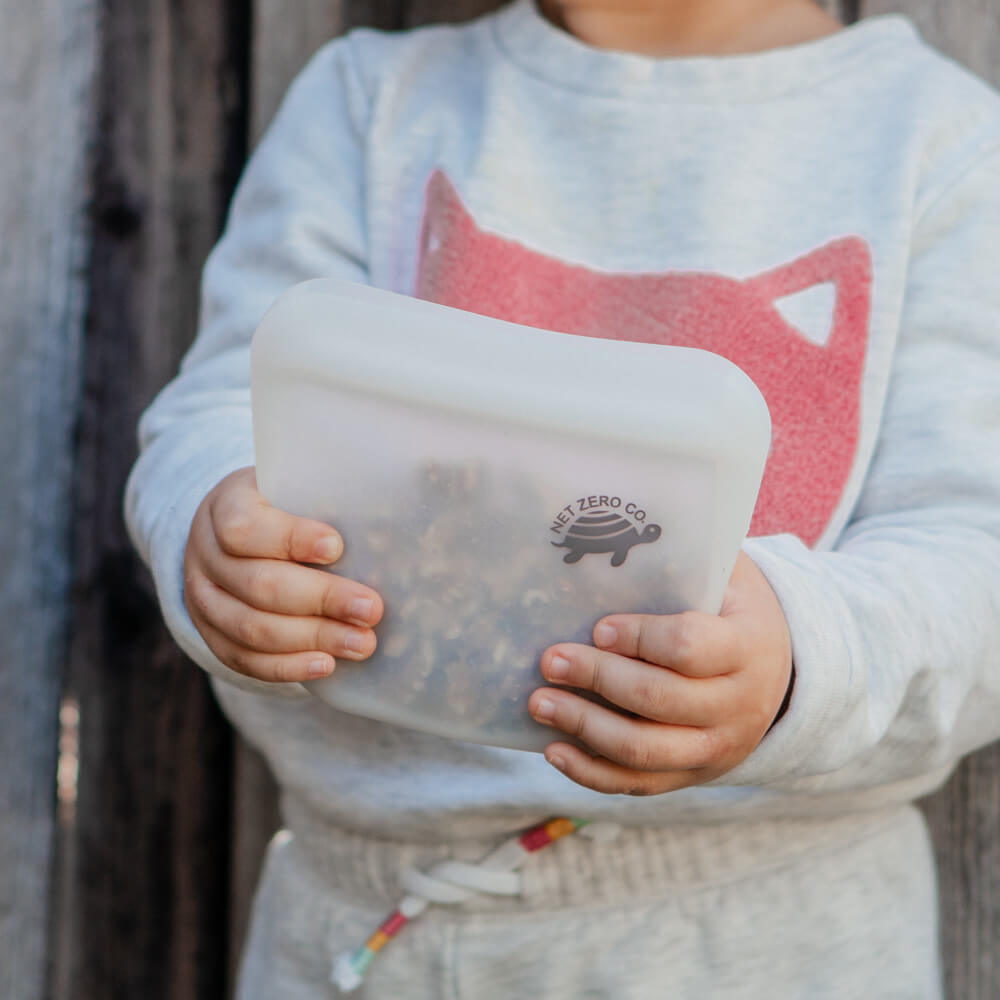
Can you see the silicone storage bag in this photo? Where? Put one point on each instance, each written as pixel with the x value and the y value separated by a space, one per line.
pixel 501 487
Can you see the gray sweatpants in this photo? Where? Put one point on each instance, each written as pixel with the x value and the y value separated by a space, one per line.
pixel 841 909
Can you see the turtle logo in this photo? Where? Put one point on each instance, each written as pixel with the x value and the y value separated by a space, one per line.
pixel 606 531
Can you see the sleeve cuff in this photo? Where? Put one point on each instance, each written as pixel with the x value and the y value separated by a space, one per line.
pixel 162 541
pixel 792 747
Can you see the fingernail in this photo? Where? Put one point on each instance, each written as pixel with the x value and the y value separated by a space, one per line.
pixel 545 709
pixel 328 549
pixel 556 761
pixel 320 668
pixel 605 634
pixel 354 642
pixel 558 668
pixel 360 609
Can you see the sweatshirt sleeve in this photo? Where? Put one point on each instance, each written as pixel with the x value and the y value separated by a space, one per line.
pixel 297 214
pixel 896 632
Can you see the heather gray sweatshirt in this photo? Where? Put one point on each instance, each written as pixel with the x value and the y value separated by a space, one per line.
pixel 826 215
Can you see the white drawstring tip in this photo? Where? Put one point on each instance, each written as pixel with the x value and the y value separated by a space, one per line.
pixel 343 975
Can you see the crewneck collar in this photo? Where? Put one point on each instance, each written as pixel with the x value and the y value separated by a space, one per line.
pixel 541 48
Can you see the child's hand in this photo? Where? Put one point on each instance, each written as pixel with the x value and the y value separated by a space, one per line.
pixel 698 692
pixel 260 612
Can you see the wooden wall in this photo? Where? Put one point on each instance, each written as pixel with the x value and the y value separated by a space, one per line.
pixel 126 123
pixel 43 191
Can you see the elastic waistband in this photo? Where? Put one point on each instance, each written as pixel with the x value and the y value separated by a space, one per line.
pixel 641 862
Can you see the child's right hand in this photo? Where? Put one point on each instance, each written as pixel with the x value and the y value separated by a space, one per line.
pixel 260 611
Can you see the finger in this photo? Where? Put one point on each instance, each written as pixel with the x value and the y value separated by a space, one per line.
pixel 692 643
pixel 271 633
pixel 636 744
pixel 605 776
pixel 288 588
pixel 277 668
pixel 653 692
pixel 246 525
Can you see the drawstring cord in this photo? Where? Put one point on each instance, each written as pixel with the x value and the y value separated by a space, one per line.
pixel 451 882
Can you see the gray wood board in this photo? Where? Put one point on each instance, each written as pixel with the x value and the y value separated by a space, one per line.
pixel 150 903
pixel 966 30
pixel 47 59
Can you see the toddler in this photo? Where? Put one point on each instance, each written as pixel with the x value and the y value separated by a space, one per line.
pixel 819 204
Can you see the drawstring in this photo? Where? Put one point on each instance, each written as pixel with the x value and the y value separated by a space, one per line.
pixel 451 882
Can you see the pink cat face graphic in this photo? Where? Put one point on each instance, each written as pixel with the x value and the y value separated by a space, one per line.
pixel 813 390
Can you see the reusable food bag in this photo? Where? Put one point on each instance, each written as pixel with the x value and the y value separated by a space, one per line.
pixel 501 487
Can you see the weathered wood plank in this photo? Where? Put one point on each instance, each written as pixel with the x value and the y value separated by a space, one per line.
pixel 47 60
pixel 427 11
pixel 152 833
pixel 286 36
pixel 967 30
pixel 965 815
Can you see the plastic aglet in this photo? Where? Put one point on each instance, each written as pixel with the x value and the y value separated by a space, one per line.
pixel 344 975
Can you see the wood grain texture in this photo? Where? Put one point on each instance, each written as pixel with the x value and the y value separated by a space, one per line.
pixel 967 30
pixel 286 35
pixel 427 11
pixel 47 63
pixel 152 832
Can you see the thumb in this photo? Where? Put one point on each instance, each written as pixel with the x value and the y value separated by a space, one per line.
pixel 246 525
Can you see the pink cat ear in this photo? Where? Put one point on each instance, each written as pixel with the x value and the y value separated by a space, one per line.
pixel 845 262
pixel 442 199
pixel 847 265
pixel 444 214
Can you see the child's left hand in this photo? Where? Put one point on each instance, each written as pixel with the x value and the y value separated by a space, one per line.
pixel 698 692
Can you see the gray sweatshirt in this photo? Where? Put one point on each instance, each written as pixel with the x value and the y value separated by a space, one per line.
pixel 826 215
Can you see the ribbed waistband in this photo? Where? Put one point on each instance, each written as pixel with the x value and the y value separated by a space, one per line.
pixel 641 862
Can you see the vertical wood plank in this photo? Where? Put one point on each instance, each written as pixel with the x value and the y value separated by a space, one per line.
pixel 152 830
pixel 967 30
pixel 286 36
pixel 47 63
pixel 426 11
pixel 965 815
